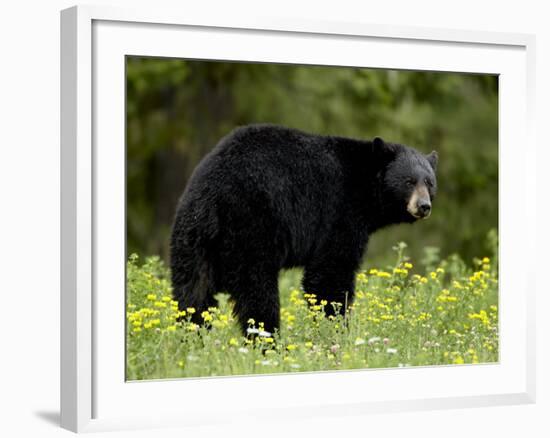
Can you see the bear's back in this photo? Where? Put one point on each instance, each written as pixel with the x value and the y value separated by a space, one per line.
pixel 269 140
pixel 271 157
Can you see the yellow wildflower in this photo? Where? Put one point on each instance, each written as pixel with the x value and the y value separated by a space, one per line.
pixel 458 360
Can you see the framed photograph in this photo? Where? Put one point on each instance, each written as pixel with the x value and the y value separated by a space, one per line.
pixel 308 218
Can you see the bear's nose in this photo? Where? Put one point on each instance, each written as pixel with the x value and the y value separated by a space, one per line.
pixel 424 208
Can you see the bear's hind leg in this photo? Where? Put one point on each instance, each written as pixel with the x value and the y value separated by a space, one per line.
pixel 192 287
pixel 256 296
pixel 198 307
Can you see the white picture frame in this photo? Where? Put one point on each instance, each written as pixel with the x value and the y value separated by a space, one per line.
pixel 94 42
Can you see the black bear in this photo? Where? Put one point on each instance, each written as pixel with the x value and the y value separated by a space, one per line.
pixel 269 197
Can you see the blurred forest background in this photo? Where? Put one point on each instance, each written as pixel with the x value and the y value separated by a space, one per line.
pixel 177 110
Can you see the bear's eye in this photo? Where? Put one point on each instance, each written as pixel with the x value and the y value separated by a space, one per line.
pixel 410 182
pixel 429 182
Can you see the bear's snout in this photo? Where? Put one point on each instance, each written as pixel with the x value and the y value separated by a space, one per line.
pixel 424 208
pixel 419 204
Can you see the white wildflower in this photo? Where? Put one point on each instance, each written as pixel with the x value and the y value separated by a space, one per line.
pixel 374 340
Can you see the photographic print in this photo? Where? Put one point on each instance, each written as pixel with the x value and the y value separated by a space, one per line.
pixel 290 218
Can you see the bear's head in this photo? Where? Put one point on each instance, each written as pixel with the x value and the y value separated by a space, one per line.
pixel 408 181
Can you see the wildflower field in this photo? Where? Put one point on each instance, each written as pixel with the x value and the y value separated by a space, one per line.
pixel 439 312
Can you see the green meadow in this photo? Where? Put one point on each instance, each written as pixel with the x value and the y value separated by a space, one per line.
pixel 410 313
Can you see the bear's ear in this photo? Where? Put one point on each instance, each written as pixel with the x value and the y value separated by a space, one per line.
pixel 432 158
pixel 378 143
pixel 384 150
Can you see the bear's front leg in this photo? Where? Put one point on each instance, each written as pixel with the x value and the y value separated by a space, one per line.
pixel 331 274
pixel 336 288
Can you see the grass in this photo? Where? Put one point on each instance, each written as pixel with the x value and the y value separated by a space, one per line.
pixel 444 313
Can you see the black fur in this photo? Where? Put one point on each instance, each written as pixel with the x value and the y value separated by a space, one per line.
pixel 269 197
